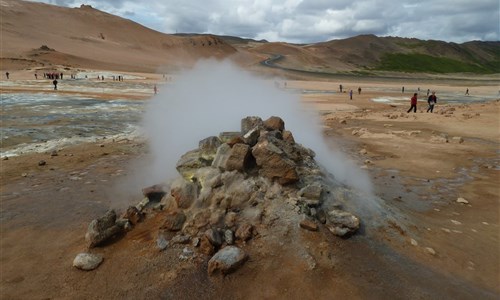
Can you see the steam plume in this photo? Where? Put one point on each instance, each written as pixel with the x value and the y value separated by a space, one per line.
pixel 213 97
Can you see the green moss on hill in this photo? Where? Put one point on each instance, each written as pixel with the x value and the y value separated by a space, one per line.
pixel 425 63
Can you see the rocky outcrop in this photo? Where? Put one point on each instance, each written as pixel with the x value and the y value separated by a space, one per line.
pixel 230 188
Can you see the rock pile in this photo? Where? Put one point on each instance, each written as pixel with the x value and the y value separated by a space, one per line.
pixel 228 188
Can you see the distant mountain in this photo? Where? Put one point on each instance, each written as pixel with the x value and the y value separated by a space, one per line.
pixel 85 37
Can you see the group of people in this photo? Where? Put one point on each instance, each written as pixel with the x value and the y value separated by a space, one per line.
pixel 350 91
pixel 431 100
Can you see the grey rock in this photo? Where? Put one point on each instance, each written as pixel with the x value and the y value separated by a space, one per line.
pixel 342 223
pixel 229 236
pixel 226 260
pixel 162 243
pixel 102 229
pixel 250 123
pixel 87 261
pixel 208 147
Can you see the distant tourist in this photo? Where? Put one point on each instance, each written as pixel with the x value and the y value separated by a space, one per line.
pixel 413 102
pixel 432 101
pixel 36 76
pixel 7 74
pixel 55 84
pixel 359 91
pixel 340 88
pixel 466 91
pixel 428 91
pixel 402 89
pixel 155 89
pixel 350 94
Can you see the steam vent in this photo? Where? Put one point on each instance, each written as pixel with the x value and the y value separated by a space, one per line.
pixel 238 192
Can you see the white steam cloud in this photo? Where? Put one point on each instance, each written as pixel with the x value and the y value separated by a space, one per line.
pixel 213 97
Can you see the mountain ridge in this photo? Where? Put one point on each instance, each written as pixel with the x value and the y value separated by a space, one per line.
pixel 103 40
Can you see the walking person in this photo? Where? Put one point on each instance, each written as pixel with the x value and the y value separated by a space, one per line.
pixel 7 74
pixel 432 101
pixel 359 90
pixel 413 102
pixel 55 84
pixel 350 94
pixel 466 91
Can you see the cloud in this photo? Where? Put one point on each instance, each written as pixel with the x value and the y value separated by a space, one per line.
pixel 301 21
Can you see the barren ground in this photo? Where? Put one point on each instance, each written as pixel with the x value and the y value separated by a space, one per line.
pixel 45 211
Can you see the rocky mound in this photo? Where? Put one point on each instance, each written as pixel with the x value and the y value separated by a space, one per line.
pixel 231 189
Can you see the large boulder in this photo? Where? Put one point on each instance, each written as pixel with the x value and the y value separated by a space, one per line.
pixel 342 223
pixel 273 163
pixel 274 123
pixel 227 260
pixel 208 148
pixel 250 123
pixel 102 229
pixel 189 163
pixel 174 221
pixel 184 192
pixel 239 158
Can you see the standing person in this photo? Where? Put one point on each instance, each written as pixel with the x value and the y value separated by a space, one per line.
pixel 155 89
pixel 431 100
pixel 7 74
pixel 428 91
pixel 413 102
pixel 55 84
pixel 36 76
pixel 359 91
pixel 466 91
pixel 340 87
pixel 350 94
pixel 403 90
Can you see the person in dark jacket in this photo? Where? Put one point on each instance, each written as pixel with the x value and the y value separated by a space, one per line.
pixel 413 102
pixel 432 101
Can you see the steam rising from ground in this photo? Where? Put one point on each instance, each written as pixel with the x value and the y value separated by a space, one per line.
pixel 213 97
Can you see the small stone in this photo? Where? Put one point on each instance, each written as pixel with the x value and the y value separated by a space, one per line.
pixel 430 250
pixel 462 200
pixel 53 153
pixel 5 158
pixel 161 243
pixel 227 260
pixel 446 230
pixel 24 174
pixel 308 224
pixel 485 223
pixel 413 242
pixel 456 222
pixel 229 236
pixel 42 163
pixel 244 232
pixel 87 261
pixel 363 152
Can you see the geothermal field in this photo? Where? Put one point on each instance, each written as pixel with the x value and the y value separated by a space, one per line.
pixel 311 194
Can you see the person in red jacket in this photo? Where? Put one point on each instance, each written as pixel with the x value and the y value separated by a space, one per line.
pixel 413 103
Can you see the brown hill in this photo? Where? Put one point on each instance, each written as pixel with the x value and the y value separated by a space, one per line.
pixel 86 36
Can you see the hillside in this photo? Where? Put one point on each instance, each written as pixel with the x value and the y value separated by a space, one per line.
pixel 84 37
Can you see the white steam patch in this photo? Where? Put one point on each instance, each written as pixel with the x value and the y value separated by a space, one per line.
pixel 213 97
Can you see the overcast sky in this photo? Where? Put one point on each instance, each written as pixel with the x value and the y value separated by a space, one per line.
pixel 307 21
